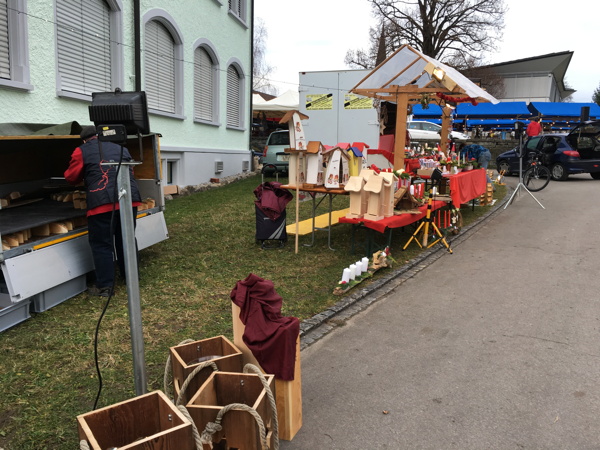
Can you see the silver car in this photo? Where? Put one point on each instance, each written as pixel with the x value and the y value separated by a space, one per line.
pixel 429 131
pixel 274 158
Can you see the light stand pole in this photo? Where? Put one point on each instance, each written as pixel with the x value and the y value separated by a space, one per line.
pixel 131 275
pixel 521 185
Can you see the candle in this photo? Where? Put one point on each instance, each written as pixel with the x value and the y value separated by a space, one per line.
pixel 346 276
pixel 352 271
pixel 365 264
pixel 412 189
pixel 359 270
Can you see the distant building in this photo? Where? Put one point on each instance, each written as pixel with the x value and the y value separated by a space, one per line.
pixel 535 79
pixel 195 59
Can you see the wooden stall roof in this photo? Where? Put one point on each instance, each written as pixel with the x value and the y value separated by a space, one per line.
pixel 408 71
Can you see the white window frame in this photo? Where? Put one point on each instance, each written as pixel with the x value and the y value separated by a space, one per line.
pixel 208 47
pixel 237 96
pixel 18 46
pixel 116 53
pixel 169 23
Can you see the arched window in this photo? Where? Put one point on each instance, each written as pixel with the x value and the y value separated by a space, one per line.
pixel 89 59
pixel 206 81
pixel 235 97
pixel 163 64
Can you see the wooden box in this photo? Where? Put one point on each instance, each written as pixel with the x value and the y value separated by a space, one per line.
pixel 185 358
pixel 240 429
pixel 147 422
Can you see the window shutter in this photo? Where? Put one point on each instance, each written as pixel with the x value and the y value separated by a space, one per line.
pixel 159 67
pixel 203 85
pixel 4 52
pixel 233 97
pixel 84 53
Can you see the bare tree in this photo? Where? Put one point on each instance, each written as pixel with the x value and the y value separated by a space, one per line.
pixel 443 29
pixel 479 73
pixel 260 69
pixel 596 96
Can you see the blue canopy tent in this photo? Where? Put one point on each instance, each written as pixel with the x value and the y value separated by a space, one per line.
pixel 564 111
pixel 502 110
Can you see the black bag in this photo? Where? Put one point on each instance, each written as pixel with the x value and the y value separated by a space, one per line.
pixel 270 230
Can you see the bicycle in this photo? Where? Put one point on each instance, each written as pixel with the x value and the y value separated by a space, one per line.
pixel 536 176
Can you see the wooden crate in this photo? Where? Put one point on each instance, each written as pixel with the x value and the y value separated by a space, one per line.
pixel 240 430
pixel 147 422
pixel 185 358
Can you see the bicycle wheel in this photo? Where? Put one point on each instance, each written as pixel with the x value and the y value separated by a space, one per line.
pixel 536 178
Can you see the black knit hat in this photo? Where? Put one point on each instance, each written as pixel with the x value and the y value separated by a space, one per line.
pixel 87 132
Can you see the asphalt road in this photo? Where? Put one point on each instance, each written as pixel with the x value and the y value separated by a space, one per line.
pixel 493 347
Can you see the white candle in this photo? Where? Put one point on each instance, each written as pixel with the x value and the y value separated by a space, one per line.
pixel 346 276
pixel 352 271
pixel 359 270
pixel 365 264
pixel 412 189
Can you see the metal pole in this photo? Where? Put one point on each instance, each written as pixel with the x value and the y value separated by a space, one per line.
pixel 131 274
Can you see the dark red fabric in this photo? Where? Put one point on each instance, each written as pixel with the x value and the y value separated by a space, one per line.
pixel 270 337
pixel 272 199
pixel 466 186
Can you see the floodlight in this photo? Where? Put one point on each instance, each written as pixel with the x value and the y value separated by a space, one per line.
pixel 438 74
pixel 129 109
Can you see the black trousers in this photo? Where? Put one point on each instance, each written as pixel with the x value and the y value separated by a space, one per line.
pixel 107 246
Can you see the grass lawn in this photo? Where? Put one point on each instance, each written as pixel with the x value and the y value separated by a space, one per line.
pixel 47 369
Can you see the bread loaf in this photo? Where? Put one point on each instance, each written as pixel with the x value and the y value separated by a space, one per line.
pixel 58 228
pixel 42 230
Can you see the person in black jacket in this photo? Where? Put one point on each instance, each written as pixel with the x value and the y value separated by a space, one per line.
pixel 100 183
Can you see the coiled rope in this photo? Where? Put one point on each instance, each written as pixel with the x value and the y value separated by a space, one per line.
pixel 212 427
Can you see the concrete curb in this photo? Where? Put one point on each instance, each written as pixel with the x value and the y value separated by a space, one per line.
pixel 319 325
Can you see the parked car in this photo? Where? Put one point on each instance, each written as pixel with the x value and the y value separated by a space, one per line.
pixel 564 153
pixel 420 130
pixel 274 158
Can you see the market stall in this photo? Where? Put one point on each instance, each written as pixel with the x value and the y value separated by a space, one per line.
pixel 408 77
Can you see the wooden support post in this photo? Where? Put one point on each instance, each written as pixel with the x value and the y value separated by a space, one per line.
pixel 400 141
pixel 288 394
pixel 446 129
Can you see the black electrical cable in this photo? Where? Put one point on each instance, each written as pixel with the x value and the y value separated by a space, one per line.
pixel 112 288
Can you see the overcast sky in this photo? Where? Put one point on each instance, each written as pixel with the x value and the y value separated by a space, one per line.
pixel 316 35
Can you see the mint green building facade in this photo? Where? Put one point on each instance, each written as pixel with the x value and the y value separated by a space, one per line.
pixel 195 59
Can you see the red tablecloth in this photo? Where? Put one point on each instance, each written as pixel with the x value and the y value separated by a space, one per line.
pixel 398 221
pixel 466 186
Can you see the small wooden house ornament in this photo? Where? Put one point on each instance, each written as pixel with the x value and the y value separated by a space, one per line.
pixel 297 162
pixel 365 174
pixel 358 157
pixel 355 190
pixel 296 129
pixel 337 167
pixel 314 163
pixel 375 188
pixel 387 201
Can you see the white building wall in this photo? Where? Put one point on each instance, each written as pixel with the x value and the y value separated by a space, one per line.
pixel 207 19
pixel 528 87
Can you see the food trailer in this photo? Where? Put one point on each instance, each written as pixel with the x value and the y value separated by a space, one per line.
pixel 45 256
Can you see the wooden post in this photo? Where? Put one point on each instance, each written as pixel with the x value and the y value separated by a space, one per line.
pixel 446 114
pixel 297 206
pixel 400 141
pixel 288 394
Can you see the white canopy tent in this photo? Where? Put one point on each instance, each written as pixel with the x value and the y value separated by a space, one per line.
pixel 288 101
